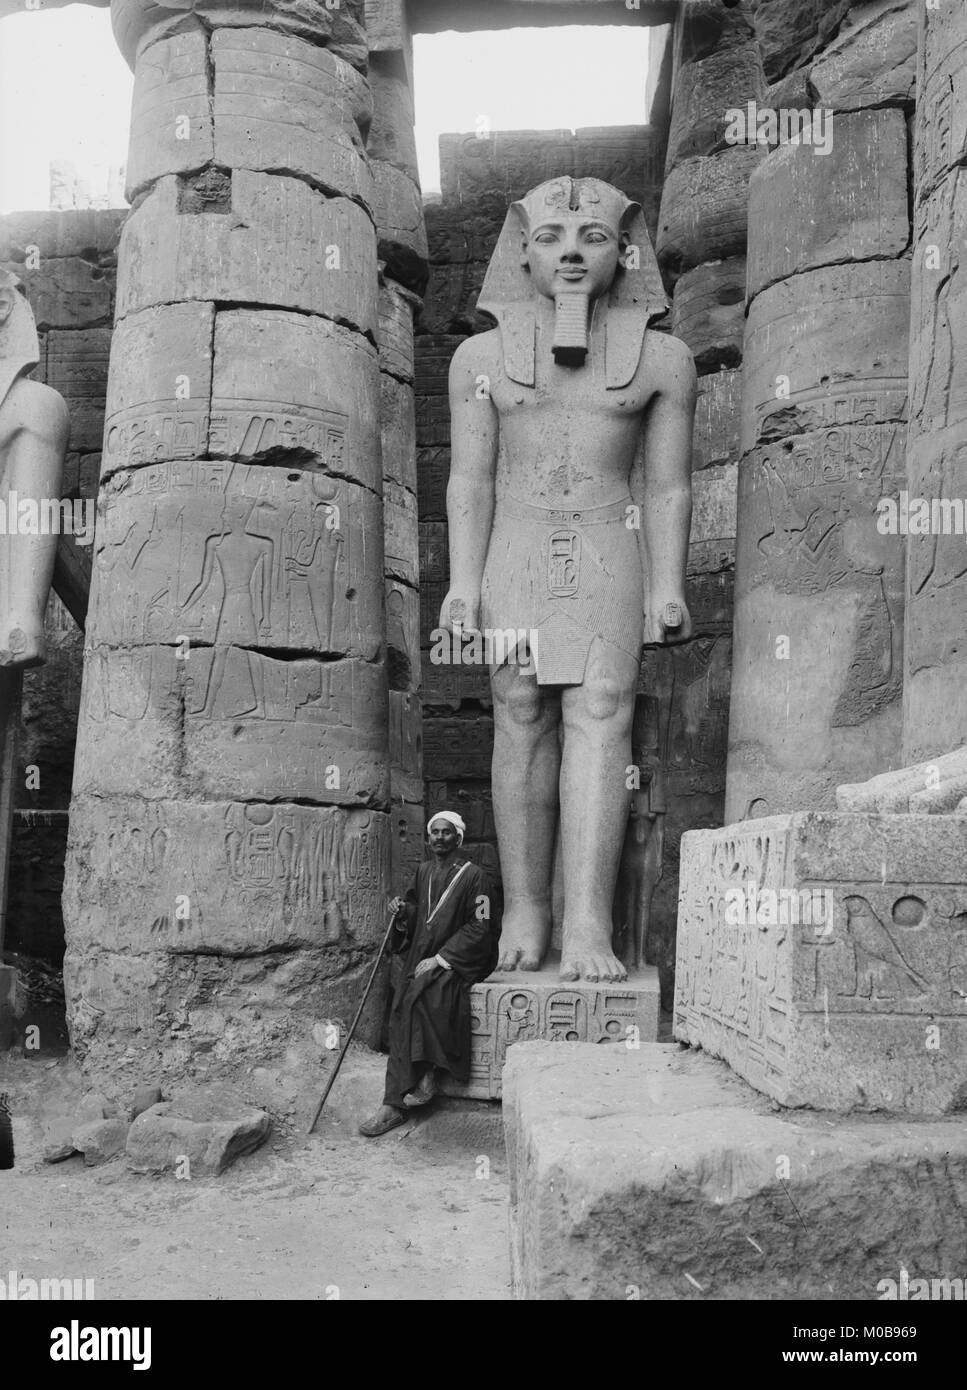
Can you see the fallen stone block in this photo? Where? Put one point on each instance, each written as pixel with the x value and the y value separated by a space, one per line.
pixel 659 1175
pixel 144 1098
pixel 208 1131
pixel 824 957
pixel 99 1140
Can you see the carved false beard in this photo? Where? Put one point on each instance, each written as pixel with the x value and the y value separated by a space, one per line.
pixel 570 343
pixel 19 346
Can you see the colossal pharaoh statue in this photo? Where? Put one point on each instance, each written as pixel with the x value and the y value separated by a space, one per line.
pixel 569 508
pixel 34 426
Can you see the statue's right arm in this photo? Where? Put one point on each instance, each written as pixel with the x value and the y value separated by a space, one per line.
pixel 473 462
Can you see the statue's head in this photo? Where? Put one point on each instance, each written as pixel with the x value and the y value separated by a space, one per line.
pixel 11 295
pixel 19 348
pixel 573 235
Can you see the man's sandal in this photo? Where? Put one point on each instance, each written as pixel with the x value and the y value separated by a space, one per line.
pixel 423 1092
pixel 373 1128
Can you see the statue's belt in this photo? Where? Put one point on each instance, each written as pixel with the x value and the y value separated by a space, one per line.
pixel 554 516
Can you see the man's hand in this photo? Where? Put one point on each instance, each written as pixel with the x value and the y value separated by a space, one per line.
pixel 397 905
pixel 430 963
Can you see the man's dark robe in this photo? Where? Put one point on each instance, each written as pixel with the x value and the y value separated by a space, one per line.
pixel 430 1018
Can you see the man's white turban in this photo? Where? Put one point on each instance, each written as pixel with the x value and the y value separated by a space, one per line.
pixel 455 820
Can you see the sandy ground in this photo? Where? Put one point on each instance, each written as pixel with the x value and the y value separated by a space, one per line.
pixel 419 1214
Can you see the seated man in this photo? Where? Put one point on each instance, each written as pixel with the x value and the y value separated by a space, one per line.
pixel 449 930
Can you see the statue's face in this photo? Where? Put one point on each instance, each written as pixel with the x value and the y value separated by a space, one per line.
pixel 571 251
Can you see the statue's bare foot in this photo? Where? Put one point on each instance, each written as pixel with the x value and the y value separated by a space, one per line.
pixel 524 935
pixel 588 956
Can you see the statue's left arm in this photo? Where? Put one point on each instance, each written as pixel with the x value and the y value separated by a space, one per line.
pixel 661 482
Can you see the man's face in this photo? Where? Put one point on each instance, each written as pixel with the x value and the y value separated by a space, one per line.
pixel 443 837
pixel 572 251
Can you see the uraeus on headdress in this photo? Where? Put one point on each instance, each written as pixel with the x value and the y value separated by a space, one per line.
pixel 636 298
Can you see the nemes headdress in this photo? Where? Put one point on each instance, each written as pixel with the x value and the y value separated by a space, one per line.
pixel 635 299
pixel 19 345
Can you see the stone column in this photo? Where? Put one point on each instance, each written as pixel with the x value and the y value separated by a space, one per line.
pixel 817 667
pixel 229 843
pixel 934 703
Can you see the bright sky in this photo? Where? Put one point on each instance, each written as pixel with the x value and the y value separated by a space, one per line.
pixel 65 91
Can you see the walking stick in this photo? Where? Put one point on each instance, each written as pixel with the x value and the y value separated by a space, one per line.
pixel 349 1036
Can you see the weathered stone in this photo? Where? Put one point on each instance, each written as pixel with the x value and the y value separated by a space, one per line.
pixel 57 234
pixel 144 1098
pixel 406 746
pixel 267 240
pixel 406 844
pixel 402 559
pixel 523 1005
pixel 704 91
pixel 402 636
pixel 708 25
pixel 391 137
pixel 76 366
pixel 287 106
pixel 433 472
pixel 709 313
pixel 232 722
pixel 834 342
pixel 8 998
pixel 790 32
pixel 450 301
pixel 718 416
pixel 396 309
pixel 704 209
pixel 434 551
pixel 446 686
pixel 858 192
pixel 657 1175
pixel 823 957
pixel 203 1136
pixel 714 504
pixel 251 877
pixel 818 618
pixel 171 116
pixel 872 59
pixel 935 788
pixel 398 432
pixel 67 292
pixel 465 743
pixel 99 1140
pixel 297 576
pixel 940 125
pixel 400 227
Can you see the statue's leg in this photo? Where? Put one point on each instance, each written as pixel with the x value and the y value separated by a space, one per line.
pixel 594 808
pixel 34 429
pixel 526 769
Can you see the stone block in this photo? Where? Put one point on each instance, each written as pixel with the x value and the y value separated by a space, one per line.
pixel 450 302
pixel 281 104
pixel 704 90
pixel 286 387
pixel 400 227
pixel 718 411
pixel 520 1006
pixel 835 341
pixel 446 686
pixel 397 418
pixel 144 1098
pixel 171 113
pixel 714 492
pixel 939 319
pixel 402 636
pixel 657 1175
pixel 335 28
pixel 67 292
pixel 406 844
pixel 144 423
pixel 210 1133
pixel 396 309
pixel 704 209
pixel 74 232
pixel 99 1140
pixel 872 60
pixel 940 138
pixel 824 957
pixel 233 723
pixel 252 877
pixel 467 743
pixel 708 313
pixel 402 559
pixel 819 618
pixel 406 743
pixel 249 238
pixel 264 558
pixel 434 551
pixel 433 474
pixel 858 193
pixel 391 136
pixel 790 32
pixel 77 367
